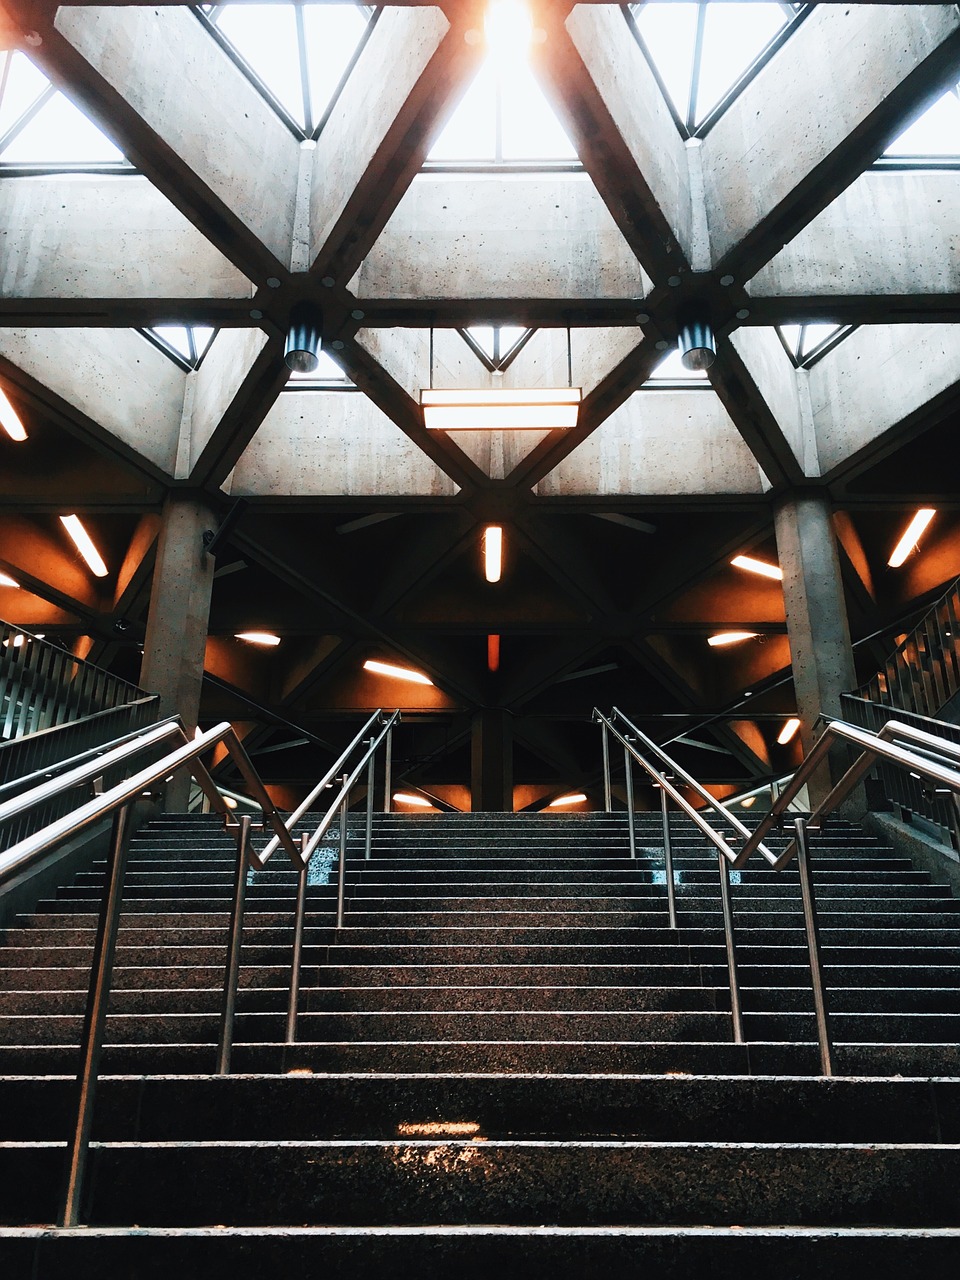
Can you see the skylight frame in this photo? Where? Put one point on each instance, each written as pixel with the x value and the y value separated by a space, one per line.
pixel 920 161
pixel 188 365
pixel 821 349
pixel 499 363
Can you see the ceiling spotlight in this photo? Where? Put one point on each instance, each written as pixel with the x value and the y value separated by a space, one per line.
pixel 398 673
pixel 572 799
pixel 730 637
pixel 697 345
pixel 84 544
pixel 266 638
pixel 7 581
pixel 493 552
pixel 10 419
pixel 788 731
pixel 911 536
pixel 301 354
pixel 401 797
pixel 758 566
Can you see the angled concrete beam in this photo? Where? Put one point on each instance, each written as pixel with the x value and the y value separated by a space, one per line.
pixel 659 443
pixel 824 106
pixel 121 389
pixel 757 384
pixel 880 387
pixel 94 240
pixel 187 117
pixel 625 133
pixel 545 236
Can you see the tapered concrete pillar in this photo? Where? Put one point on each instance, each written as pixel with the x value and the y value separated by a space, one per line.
pixel 176 638
pixel 817 626
pixel 491 761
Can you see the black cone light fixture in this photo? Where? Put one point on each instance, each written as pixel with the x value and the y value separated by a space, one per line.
pixel 302 350
pixel 698 347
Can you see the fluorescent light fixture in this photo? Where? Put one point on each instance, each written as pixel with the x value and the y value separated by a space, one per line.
pixel 493 552
pixel 402 797
pixel 788 731
pixel 532 410
pixel 748 803
pixel 10 419
pixel 398 673
pixel 911 536
pixel 7 581
pixel 573 799
pixel 493 653
pixel 508 28
pixel 758 566
pixel 229 802
pixel 84 544
pixel 266 638
pixel 14 642
pixel 730 637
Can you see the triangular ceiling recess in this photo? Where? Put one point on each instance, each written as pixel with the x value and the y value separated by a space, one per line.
pixel 39 126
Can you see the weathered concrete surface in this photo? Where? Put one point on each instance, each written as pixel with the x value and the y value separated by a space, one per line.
pixel 820 648
pixel 639 112
pixel 405 355
pixel 187 90
pixel 772 371
pixel 533 236
pixel 115 377
pixel 874 380
pixel 840 85
pixel 661 443
pixel 105 237
pixel 392 61
pixel 888 233
pixel 218 381
pixel 335 443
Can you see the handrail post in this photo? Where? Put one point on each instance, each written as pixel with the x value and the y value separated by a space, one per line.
pixel 731 945
pixel 370 781
pixel 607 788
pixel 668 858
pixel 342 869
pixel 387 769
pixel 303 875
pixel 94 1023
pixel 631 821
pixel 813 946
pixel 231 977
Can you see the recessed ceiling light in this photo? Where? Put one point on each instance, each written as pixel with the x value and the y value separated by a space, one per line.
pixel 402 797
pixel 788 731
pixel 493 552
pixel 758 566
pixel 266 638
pixel 84 544
pixel 398 673
pixel 10 419
pixel 730 637
pixel 911 536
pixel 578 798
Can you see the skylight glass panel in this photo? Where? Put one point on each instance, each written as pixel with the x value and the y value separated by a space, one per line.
pixel 935 133
pixel 60 133
pixel 21 84
pixel 670 33
pixel 482 334
pixel 806 342
pixel 333 32
pixel 734 37
pixel 186 344
pixel 327 373
pixel 176 336
pixel 471 132
pixel 499 343
pixel 531 130
pixel 814 337
pixel 265 35
pixel 671 369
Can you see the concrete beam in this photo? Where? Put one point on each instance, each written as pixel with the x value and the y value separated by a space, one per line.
pixel 100 239
pixel 824 106
pixel 41 558
pixel 547 236
pixel 660 443
pixel 335 443
pixel 758 385
pixel 123 390
pixel 188 118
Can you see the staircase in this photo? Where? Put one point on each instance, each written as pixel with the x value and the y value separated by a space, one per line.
pixel 505 1061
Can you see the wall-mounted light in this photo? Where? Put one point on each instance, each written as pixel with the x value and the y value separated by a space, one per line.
pixel 492 552
pixel 730 637
pixel 301 353
pixel 397 673
pixel 911 536
pixel 789 731
pixel 578 798
pixel 698 347
pixel 762 567
pixel 265 638
pixel 10 419
pixel 402 797
pixel 532 410
pixel 7 581
pixel 84 544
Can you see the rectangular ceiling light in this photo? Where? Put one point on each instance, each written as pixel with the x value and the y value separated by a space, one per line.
pixel 788 731
pixel 492 552
pixel 266 638
pixel 729 637
pixel 10 419
pixel 398 673
pixel 540 409
pixel 911 536
pixel 579 798
pixel 84 544
pixel 758 566
pixel 401 797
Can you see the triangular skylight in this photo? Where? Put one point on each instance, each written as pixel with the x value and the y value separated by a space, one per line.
pixel 185 344
pixel 806 343
pixel 936 133
pixel 39 126
pixel 298 53
pixel 671 371
pixel 328 376
pixel 503 118
pixel 702 52
pixel 496 344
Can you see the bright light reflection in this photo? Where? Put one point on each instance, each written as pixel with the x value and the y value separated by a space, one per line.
pixel 398 673
pixel 788 732
pixel 579 798
pixel 672 369
pixel 492 552
pixel 7 581
pixel 758 566
pixel 266 638
pixel 60 133
pixel 730 637
pixel 508 28
pixel 10 419
pixel 401 797
pixel 911 536
pixel 84 544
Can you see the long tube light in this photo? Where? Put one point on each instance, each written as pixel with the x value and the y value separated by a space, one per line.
pixel 10 419
pixel 266 638
pixel 911 536
pixel 493 552
pixel 7 581
pixel 493 653
pixel 730 637
pixel 758 566
pixel 401 797
pixel 561 800
pixel 398 673
pixel 84 544
pixel 536 409
pixel 788 732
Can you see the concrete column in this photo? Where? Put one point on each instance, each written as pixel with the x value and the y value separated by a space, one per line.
pixel 820 647
pixel 491 760
pixel 173 649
